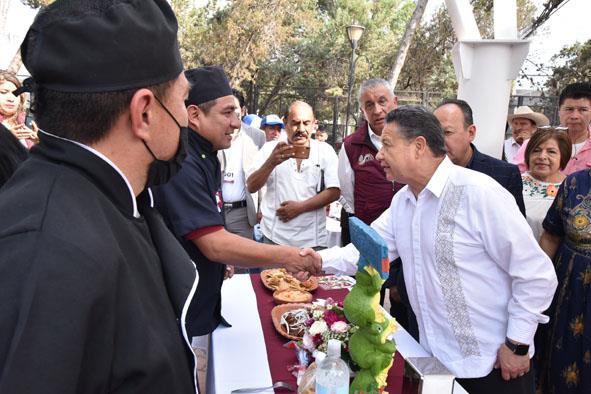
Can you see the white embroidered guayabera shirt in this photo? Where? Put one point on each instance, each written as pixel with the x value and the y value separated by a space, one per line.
pixel 473 270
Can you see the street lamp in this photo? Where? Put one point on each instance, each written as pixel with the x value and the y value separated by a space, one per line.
pixel 354 32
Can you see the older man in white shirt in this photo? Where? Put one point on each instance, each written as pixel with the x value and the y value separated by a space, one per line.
pixel 299 186
pixel 476 277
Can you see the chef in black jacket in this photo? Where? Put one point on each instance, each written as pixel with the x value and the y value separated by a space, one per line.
pixel 192 205
pixel 95 289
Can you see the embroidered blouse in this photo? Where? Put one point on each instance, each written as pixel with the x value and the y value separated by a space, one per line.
pixel 538 197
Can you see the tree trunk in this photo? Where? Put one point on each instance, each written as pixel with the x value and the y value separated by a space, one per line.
pixel 413 23
pixel 276 88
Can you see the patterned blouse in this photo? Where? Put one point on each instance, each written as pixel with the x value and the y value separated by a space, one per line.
pixel 538 197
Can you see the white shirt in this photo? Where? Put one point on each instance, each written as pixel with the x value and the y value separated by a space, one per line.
pixel 256 135
pixel 577 147
pixel 511 148
pixel 347 176
pixel 233 181
pixel 474 272
pixel 287 183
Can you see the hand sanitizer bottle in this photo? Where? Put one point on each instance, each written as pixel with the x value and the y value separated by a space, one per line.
pixel 332 374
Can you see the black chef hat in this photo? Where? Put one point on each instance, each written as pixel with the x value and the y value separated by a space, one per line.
pixel 207 83
pixel 102 45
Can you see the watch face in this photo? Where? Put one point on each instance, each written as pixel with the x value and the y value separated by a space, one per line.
pixel 521 350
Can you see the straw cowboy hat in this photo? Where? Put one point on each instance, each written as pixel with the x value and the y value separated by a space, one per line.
pixel 525 112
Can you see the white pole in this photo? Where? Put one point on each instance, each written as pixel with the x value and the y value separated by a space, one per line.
pixel 462 19
pixel 505 19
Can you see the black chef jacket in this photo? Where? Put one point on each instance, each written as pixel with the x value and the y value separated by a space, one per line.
pixel 190 202
pixel 93 298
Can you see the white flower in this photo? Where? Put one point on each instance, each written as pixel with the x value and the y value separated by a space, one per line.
pixel 317 314
pixel 318 327
pixel 308 342
pixel 339 326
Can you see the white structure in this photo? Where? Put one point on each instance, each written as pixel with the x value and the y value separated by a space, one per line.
pixel 485 69
pixel 15 19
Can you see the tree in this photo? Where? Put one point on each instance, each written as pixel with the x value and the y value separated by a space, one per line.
pixel 571 64
pixel 321 60
pixel 241 34
pixel 550 7
pixel 429 66
pixel 413 23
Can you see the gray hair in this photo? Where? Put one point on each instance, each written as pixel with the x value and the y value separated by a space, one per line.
pixel 415 121
pixel 372 84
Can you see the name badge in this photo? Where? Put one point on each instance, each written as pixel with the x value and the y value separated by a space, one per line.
pixel 228 177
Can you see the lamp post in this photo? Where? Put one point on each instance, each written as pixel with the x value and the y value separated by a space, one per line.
pixel 354 32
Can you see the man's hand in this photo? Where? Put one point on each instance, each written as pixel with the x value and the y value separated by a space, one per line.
pixel 289 210
pixel 304 262
pixel 229 272
pixel 512 366
pixel 282 152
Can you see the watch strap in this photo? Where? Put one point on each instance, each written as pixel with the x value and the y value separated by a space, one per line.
pixel 517 349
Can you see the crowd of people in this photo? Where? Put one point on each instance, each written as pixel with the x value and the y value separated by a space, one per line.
pixel 136 191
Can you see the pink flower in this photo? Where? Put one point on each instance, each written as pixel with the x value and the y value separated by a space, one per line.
pixel 339 326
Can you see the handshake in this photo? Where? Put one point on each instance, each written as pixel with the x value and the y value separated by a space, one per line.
pixel 303 262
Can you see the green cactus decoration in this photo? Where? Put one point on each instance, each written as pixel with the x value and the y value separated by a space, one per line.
pixel 369 347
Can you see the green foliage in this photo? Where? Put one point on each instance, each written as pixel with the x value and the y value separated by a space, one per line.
pixel 571 64
pixel 299 49
pixel 429 66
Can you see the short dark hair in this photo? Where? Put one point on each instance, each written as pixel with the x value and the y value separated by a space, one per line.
pixel 548 133
pixel 207 106
pixel 575 91
pixel 415 121
pixel 463 106
pixel 84 117
pixel 238 94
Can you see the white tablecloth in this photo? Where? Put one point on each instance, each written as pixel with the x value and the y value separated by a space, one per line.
pixel 238 357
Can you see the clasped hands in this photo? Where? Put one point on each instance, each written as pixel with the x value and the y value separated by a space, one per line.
pixel 307 262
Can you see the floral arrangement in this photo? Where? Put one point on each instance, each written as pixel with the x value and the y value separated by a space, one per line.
pixel 328 321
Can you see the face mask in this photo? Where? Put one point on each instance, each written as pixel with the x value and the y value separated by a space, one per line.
pixel 161 171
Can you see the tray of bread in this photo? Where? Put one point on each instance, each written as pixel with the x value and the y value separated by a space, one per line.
pixel 279 278
pixel 290 296
pixel 290 319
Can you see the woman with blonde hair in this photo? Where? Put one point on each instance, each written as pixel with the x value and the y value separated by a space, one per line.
pixel 12 114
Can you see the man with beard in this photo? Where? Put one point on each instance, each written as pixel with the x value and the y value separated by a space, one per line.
pixel 301 179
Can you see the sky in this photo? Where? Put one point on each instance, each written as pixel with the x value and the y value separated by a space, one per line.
pixel 569 24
